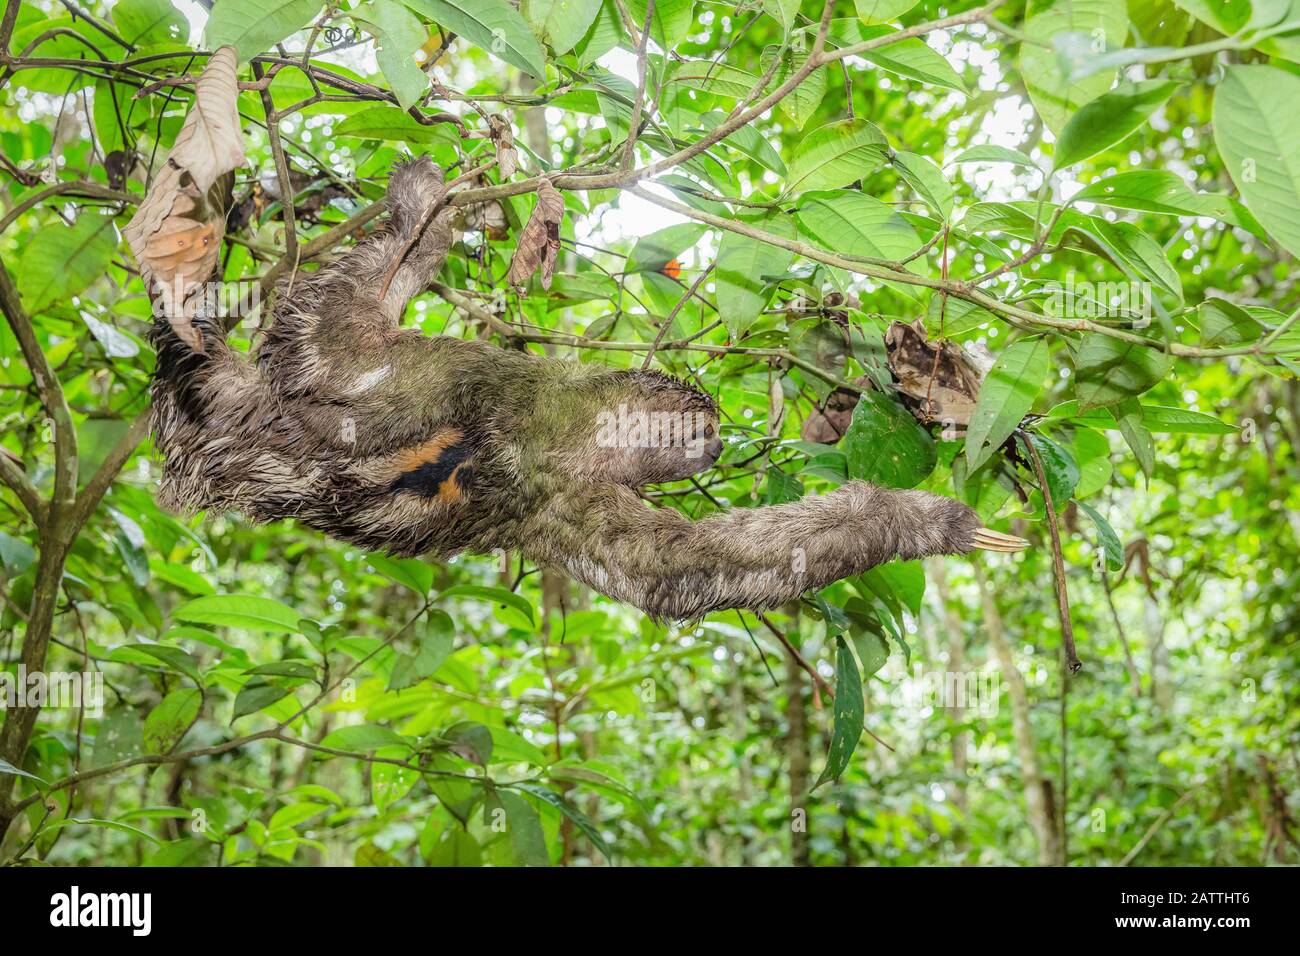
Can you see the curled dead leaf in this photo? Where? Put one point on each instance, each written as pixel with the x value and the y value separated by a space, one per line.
pixel 176 232
pixel 939 382
pixel 503 138
pixel 539 243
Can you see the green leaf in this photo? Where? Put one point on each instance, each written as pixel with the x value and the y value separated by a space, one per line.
pixel 670 22
pixel 561 23
pixel 742 265
pixel 578 819
pixel 470 741
pixel 106 824
pixel 254 26
pixel 61 261
pixel 911 57
pixel 835 155
pixel 849 714
pixel 168 722
pixel 7 767
pixel 1006 397
pixel 141 22
pixel 1109 119
pixel 364 737
pixel 496 595
pixel 927 179
pixel 806 98
pixel 437 637
pixel 1259 140
pixel 995 154
pixel 244 611
pixel 1059 467
pixel 1161 419
pixel 855 224
pixel 398 34
pixel 295 814
pixel 16 555
pixel 455 847
pixel 1108 370
pixel 524 829
pixel 1225 324
pixel 1104 24
pixel 880 11
pixel 493 25
pixel 749 141
pixel 651 253
pixel 1129 418
pixel 782 11
pixel 1136 254
pixel 1159 191
pixel 391 124
pixel 176 658
pixel 411 572
pixel 1109 541
pixel 884 444
pixel 257 694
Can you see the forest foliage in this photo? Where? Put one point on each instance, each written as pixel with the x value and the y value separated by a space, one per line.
pixel 1037 256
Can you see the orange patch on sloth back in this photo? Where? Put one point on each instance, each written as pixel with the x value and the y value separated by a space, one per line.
pixel 439 468
pixel 427 452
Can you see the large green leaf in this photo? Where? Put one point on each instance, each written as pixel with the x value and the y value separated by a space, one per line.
pixel 1160 191
pixel 849 714
pixel 880 11
pixel 927 179
pixel 244 611
pixel 394 125
pixel 742 267
pixel 1108 370
pixel 1259 140
pixel 835 155
pixel 911 57
pixel 493 25
pixel 150 21
pixel 254 26
pixel 61 261
pixel 806 98
pixel 885 444
pixel 561 23
pixel 669 23
pixel 856 224
pixel 1006 397
pixel 1102 24
pixel 398 34
pixel 1108 119
pixel 168 722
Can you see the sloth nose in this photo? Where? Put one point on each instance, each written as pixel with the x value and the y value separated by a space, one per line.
pixel 713 450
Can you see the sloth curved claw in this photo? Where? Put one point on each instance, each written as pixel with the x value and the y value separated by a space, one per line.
pixel 988 540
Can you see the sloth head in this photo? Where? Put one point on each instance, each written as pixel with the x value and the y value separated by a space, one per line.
pixel 641 427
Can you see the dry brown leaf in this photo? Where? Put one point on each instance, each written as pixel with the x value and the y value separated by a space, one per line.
pixel 175 234
pixel 828 422
pixel 539 243
pixel 939 382
pixel 503 138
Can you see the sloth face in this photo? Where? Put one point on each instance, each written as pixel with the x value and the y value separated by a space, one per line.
pixel 655 429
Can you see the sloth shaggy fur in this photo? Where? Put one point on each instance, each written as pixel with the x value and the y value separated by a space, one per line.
pixel 400 442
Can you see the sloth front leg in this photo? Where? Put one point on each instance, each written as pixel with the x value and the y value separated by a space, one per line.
pixel 754 558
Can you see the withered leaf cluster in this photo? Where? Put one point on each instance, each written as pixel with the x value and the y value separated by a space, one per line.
pixel 176 233
pixel 939 381
pixel 539 243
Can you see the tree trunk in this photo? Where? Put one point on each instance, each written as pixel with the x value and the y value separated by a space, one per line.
pixel 1038 798
pixel 796 748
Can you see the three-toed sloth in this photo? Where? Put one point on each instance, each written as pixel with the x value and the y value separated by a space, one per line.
pixel 396 441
